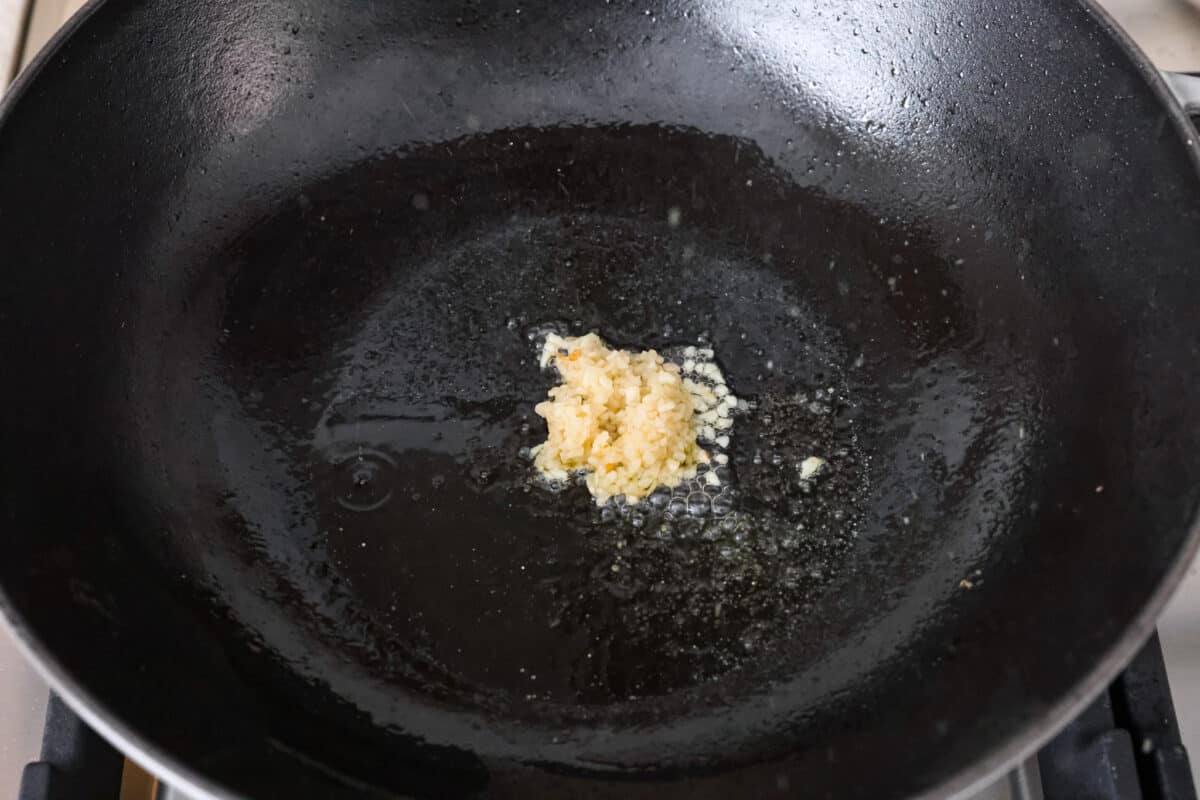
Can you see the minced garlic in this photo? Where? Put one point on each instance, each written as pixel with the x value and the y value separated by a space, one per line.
pixel 630 421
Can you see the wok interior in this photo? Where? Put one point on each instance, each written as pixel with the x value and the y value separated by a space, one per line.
pixel 238 338
pixel 374 380
pixel 386 319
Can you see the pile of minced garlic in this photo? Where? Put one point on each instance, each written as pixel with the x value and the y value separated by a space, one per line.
pixel 631 422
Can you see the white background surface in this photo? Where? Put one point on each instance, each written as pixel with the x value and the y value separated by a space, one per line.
pixel 11 14
pixel 1168 30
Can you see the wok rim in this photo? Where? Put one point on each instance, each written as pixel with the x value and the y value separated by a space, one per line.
pixel 1021 744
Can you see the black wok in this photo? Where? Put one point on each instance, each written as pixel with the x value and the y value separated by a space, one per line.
pixel 274 277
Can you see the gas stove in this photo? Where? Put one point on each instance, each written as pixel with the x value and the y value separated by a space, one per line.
pixel 1128 745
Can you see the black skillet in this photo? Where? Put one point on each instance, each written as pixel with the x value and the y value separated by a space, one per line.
pixel 275 273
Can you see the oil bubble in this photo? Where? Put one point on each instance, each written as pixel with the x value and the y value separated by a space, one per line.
pixel 362 480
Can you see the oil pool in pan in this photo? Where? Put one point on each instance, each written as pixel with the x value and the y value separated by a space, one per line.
pixel 423 464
